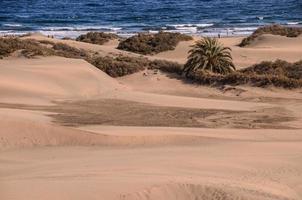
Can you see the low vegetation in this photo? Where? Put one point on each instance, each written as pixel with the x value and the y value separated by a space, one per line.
pixel 278 68
pixel 28 48
pixel 120 65
pixel 274 30
pixel 166 66
pixel 47 42
pixel 31 48
pixel 153 43
pixel 67 51
pixel 125 65
pixel 97 37
pixel 278 74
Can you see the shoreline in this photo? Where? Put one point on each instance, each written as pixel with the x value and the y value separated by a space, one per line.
pixel 212 32
pixel 209 30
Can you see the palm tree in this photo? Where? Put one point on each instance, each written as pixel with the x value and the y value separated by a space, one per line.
pixel 208 55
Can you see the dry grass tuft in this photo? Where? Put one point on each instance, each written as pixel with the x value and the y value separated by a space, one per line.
pixel 274 30
pixel 153 43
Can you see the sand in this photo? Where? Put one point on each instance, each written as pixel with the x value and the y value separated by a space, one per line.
pixel 69 131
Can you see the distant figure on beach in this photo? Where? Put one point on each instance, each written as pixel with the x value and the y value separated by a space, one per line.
pixel 219 36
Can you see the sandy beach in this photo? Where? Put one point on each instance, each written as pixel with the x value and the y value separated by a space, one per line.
pixel 70 131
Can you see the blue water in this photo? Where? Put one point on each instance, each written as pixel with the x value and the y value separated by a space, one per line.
pixel 72 17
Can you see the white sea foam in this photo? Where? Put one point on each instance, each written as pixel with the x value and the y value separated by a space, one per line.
pixel 13 25
pixel 82 28
pixel 153 32
pixel 188 28
pixel 62 34
pixel 191 25
pixel 244 28
pixel 12 33
pixel 191 29
pixel 75 31
pixel 293 23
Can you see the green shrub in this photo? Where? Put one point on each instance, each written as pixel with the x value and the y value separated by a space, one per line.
pixel 153 43
pixel 96 37
pixel 274 30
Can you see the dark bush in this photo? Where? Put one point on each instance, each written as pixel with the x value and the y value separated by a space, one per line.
pixel 124 65
pixel 32 51
pixel 238 78
pixel 67 38
pixel 29 48
pixel 278 68
pixel 67 51
pixel 153 43
pixel 96 37
pixel 274 30
pixel 47 42
pixel 119 66
pixel 9 45
pixel 278 74
pixel 166 66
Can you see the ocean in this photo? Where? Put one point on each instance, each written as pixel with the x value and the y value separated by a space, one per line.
pixel 70 18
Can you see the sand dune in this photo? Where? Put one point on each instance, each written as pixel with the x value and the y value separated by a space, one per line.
pixel 277 42
pixel 46 79
pixel 42 159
